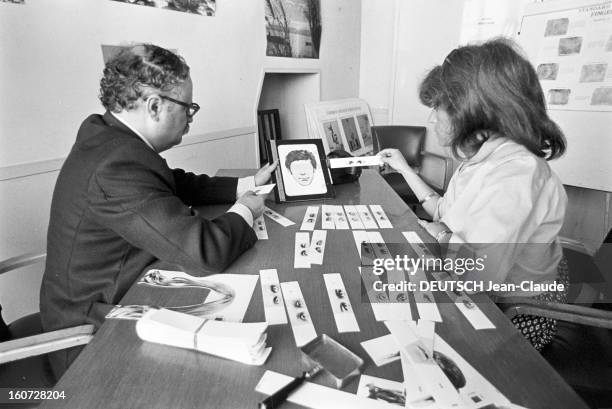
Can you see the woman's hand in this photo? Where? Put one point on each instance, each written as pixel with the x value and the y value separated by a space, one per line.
pixel 395 159
pixel 435 229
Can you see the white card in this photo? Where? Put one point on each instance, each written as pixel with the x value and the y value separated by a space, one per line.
pixel 302 247
pixel 243 285
pixel 382 350
pixel 340 218
pixel 417 244
pixel 317 246
pixel 335 163
pixel 353 218
pixel 414 354
pixel 399 298
pixel 315 396
pixel 381 217
pixel 425 301
pixel 379 300
pixel 366 217
pixel 310 218
pixel 382 390
pixel 278 218
pixel 260 228
pixel 263 189
pixel 465 305
pixel 274 305
pixel 327 217
pixel 340 303
pixel 299 317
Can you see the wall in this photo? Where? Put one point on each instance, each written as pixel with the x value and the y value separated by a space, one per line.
pixel 49 75
pixel 394 32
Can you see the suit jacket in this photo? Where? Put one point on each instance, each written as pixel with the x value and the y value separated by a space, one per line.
pixel 117 208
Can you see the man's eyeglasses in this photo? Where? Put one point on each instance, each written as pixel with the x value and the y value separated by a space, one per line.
pixel 192 108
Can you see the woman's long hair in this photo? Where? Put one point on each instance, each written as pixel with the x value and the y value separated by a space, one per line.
pixel 492 89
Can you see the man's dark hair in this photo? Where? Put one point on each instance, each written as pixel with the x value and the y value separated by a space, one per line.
pixel 301 154
pixel 136 69
pixel 492 88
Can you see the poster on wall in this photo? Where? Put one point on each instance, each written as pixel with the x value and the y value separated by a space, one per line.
pixel 293 28
pixel 341 124
pixel 573 56
pixel 202 7
pixel 484 19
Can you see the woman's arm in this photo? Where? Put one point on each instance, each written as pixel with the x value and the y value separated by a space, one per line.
pixel 425 194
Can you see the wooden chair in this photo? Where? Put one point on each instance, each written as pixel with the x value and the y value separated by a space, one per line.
pixel 581 351
pixel 268 126
pixel 24 344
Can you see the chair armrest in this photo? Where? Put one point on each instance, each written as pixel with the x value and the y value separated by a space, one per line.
pixel 23 260
pixel 563 312
pixel 436 171
pixel 44 343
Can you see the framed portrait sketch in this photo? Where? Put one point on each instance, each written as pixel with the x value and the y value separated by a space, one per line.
pixel 302 172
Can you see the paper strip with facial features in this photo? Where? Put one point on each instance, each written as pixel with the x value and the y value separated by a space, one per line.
pixel 260 228
pixel 317 246
pixel 299 317
pixel 274 305
pixel 381 217
pixel 340 218
pixel 327 217
pixel 335 163
pixel 302 247
pixel 278 218
pixel 353 218
pixel 310 218
pixel 366 217
pixel 340 303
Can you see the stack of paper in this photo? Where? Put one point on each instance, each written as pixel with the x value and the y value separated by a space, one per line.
pixel 242 342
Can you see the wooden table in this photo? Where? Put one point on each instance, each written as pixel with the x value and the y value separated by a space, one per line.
pixel 118 370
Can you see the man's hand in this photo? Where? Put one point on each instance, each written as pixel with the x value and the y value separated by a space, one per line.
pixel 253 202
pixel 263 175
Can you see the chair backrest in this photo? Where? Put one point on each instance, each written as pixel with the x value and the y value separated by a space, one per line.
pixel 268 126
pixel 436 171
pixel 408 139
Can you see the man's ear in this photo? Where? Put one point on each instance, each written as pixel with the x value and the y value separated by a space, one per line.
pixel 154 107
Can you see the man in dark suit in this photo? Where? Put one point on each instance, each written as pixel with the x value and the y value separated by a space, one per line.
pixel 117 206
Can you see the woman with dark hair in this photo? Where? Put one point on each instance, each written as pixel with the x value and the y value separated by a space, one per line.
pixel 503 199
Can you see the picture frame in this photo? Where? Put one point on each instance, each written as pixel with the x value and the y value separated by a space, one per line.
pixel 302 172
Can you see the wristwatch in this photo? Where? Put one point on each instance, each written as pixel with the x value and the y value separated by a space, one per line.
pixel 429 196
pixel 443 233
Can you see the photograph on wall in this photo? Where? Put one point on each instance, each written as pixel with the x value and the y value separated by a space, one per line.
pixel 302 172
pixel 202 7
pixel 293 28
pixel 348 119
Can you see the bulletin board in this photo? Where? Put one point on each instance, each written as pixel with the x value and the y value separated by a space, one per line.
pixel 570 45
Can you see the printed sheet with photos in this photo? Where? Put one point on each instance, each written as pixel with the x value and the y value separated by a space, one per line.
pixel 341 124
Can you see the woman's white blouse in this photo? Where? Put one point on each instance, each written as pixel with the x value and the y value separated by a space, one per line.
pixel 511 204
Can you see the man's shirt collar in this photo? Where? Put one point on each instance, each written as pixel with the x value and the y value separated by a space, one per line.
pixel 124 122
